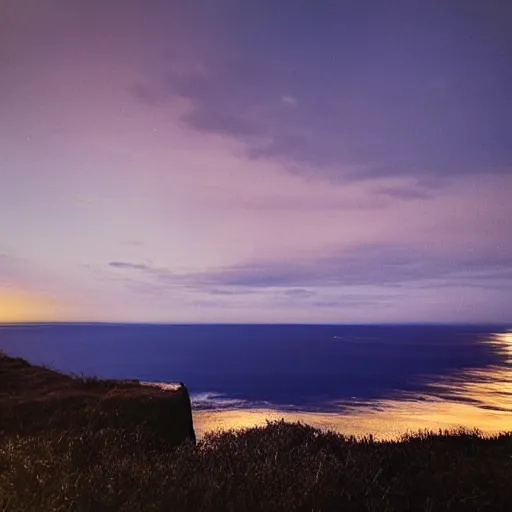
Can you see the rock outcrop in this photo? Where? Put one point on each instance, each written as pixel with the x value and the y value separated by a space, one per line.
pixel 34 398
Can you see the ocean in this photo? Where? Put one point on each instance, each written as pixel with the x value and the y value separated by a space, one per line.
pixel 383 380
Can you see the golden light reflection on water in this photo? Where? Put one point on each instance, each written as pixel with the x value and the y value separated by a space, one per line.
pixel 473 399
pixel 503 341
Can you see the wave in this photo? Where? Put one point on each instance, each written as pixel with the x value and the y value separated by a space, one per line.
pixel 213 400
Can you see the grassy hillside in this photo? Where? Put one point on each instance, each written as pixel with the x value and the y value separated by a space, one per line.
pixel 97 466
pixel 35 399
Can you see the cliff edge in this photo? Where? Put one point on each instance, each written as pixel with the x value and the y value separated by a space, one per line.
pixel 35 398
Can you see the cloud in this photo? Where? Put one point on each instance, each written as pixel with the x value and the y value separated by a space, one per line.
pixel 405 193
pixel 131 243
pixel 230 292
pixel 357 301
pixel 282 202
pixel 150 95
pixel 84 200
pixel 215 119
pixel 289 101
pixel 371 265
pixel 299 293
pixel 390 101
pixel 126 265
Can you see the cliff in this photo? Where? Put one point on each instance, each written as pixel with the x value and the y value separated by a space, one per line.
pixel 35 399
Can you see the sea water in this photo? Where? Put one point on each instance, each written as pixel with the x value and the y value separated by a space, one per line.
pixel 356 379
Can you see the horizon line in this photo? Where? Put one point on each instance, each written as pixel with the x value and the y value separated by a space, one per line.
pixel 95 322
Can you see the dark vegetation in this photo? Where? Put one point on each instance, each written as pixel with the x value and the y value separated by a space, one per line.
pixel 36 400
pixel 93 465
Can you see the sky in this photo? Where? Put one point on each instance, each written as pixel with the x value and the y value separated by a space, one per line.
pixel 255 161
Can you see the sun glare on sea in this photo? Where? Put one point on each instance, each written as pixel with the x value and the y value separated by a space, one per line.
pixel 503 341
pixel 480 398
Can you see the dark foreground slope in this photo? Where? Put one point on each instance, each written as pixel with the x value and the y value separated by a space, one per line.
pixel 36 400
pixel 278 467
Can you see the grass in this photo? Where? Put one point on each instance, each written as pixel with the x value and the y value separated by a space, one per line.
pixel 281 466
pixel 35 400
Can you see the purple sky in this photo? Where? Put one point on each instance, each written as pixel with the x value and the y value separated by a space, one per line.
pixel 275 161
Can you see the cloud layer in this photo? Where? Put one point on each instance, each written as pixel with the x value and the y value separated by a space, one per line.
pixel 375 91
pixel 308 161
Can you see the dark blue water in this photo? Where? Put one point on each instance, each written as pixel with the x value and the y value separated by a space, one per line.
pixel 284 366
